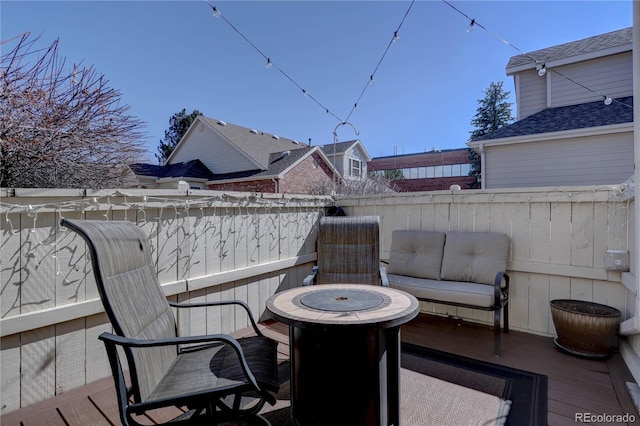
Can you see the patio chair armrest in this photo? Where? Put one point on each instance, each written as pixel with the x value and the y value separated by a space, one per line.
pixel 311 277
pixel 384 279
pixel 221 303
pixel 112 339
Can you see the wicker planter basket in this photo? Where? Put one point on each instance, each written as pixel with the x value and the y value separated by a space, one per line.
pixel 585 328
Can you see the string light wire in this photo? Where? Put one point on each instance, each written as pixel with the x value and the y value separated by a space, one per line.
pixel 270 62
pixel 475 23
pixel 371 77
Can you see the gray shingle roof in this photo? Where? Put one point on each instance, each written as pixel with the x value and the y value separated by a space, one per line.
pixel 581 116
pixel 278 163
pixel 574 48
pixel 191 169
pixel 341 147
pixel 256 144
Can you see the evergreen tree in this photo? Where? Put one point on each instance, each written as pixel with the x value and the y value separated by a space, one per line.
pixel 178 125
pixel 493 113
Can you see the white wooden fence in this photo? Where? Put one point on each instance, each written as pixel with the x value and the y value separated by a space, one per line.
pixel 211 245
pixel 559 237
pixel 208 246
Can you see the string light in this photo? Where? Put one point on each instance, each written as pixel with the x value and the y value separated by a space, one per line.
pixel 384 54
pixel 270 63
pixel 540 67
pixel 470 27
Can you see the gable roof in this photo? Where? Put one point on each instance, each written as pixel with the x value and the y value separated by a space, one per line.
pixel 621 39
pixel 570 117
pixel 190 169
pixel 279 164
pixel 342 147
pixel 255 144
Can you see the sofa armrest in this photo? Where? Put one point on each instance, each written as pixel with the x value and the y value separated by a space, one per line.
pixel 384 279
pixel 501 293
pixel 309 279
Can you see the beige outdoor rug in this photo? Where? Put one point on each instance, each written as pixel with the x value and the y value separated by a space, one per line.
pixel 425 401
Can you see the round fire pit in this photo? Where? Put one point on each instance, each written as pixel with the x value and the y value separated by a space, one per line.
pixel 585 328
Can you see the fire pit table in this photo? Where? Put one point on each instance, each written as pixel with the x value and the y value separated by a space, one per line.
pixel 345 351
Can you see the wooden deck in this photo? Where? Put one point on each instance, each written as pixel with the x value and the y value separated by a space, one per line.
pixel 576 385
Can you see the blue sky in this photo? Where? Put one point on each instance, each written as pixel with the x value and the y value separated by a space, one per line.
pixel 167 55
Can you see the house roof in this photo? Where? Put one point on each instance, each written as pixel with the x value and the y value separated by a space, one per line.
pixel 190 169
pixel 279 163
pixel 575 48
pixel 570 117
pixel 341 147
pixel 256 144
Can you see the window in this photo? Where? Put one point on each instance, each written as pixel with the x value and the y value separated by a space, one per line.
pixel 355 167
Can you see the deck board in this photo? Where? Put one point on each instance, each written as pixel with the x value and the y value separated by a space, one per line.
pixel 576 385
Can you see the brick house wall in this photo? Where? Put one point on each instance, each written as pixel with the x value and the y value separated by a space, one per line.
pixel 310 172
pixel 259 185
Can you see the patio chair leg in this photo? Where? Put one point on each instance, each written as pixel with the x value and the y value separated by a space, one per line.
pixel 496 332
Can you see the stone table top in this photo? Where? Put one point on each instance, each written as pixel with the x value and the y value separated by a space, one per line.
pixel 339 305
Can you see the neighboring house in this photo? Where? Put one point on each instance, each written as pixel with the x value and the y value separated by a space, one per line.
pixel 428 171
pixel 565 133
pixel 350 158
pixel 193 172
pixel 243 159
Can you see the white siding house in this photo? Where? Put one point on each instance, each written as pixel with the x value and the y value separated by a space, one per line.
pixel 349 158
pixel 565 134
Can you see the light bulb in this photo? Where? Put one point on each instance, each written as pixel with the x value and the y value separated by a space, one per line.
pixel 470 27
pixel 371 79
pixel 395 36
pixel 542 69
pixel 269 64
pixel 216 12
pixel 607 100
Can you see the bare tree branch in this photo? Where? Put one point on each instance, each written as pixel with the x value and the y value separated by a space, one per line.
pixel 61 127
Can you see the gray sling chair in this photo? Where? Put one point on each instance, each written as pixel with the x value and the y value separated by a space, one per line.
pixel 348 252
pixel 214 379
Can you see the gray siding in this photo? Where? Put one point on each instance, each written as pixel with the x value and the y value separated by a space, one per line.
pixel 532 94
pixel 611 76
pixel 593 160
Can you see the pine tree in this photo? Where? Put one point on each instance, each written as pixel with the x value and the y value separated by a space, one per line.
pixel 178 125
pixel 492 114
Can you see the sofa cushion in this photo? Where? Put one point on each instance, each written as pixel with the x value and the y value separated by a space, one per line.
pixel 474 256
pixel 454 292
pixel 416 253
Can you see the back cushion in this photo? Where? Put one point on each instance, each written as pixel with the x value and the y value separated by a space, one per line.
pixel 474 256
pixel 416 254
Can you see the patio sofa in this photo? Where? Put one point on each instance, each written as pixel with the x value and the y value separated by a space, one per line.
pixel 465 269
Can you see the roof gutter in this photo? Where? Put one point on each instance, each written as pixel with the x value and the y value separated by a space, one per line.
pixel 244 179
pixel 564 134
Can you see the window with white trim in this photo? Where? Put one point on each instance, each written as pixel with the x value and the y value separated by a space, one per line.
pixel 355 167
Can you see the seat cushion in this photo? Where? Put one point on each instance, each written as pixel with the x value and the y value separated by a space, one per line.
pixel 416 253
pixel 454 292
pixel 216 369
pixel 474 256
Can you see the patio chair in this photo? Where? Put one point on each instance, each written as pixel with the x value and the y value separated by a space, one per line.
pixel 348 252
pixel 216 377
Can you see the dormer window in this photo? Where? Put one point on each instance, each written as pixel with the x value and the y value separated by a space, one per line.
pixel 355 167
